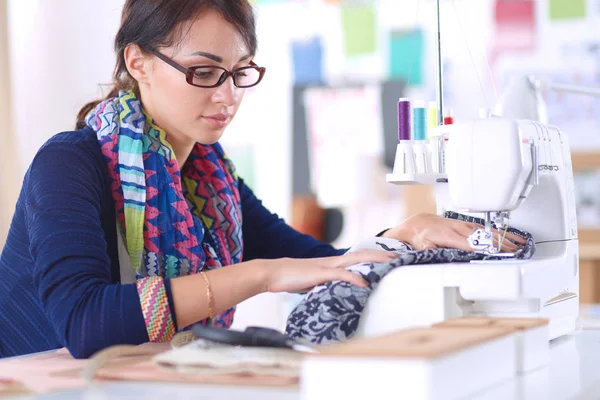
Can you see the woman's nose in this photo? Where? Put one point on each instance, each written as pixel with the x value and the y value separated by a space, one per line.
pixel 226 93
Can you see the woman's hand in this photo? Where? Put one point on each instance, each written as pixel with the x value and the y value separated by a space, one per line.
pixel 297 275
pixel 428 231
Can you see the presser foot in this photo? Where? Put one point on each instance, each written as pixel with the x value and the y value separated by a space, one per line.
pixel 482 241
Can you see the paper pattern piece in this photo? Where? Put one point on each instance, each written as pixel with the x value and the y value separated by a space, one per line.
pixel 39 373
pixel 406 56
pixel 307 58
pixel 58 371
pixel 358 22
pixel 567 9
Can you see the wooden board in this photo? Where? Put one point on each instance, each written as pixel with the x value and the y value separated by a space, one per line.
pixel 589 281
pixel 421 343
pixel 518 324
pixel 585 161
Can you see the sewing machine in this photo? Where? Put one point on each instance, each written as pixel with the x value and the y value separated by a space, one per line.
pixel 514 171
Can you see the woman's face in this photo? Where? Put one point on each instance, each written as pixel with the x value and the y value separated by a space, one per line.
pixel 187 113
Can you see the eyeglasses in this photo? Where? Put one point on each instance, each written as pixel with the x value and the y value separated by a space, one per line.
pixel 213 76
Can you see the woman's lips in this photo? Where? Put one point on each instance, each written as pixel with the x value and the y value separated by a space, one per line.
pixel 217 120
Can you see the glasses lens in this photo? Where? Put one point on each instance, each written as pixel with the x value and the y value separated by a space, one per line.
pixel 207 76
pixel 247 76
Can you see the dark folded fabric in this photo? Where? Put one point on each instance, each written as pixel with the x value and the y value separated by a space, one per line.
pixel 331 312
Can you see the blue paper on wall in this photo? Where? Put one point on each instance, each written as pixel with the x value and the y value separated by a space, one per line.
pixel 307 58
pixel 407 56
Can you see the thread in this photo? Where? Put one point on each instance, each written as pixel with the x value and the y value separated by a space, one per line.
pixel 404 119
pixel 487 104
pixel 448 118
pixel 432 117
pixel 419 121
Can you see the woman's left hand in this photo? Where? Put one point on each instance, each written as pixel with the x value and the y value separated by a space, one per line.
pixel 429 231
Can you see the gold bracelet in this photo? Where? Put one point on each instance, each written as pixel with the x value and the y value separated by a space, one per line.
pixel 209 296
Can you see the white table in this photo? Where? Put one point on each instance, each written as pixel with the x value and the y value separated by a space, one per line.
pixel 574 372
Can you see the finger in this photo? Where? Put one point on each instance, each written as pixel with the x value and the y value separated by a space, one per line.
pixel 471 225
pixel 515 238
pixel 454 239
pixel 346 276
pixel 507 246
pixel 512 237
pixel 428 245
pixel 374 256
pixel 467 229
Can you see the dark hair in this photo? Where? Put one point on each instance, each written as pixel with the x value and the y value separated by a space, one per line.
pixel 159 23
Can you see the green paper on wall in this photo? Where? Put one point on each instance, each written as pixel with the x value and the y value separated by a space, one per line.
pixel 406 56
pixel 358 22
pixel 567 9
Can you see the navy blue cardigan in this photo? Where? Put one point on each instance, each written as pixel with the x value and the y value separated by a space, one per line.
pixel 59 270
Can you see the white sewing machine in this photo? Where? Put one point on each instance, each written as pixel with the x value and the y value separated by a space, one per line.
pixel 494 165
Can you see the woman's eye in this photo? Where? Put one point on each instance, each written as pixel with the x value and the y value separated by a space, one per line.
pixel 204 74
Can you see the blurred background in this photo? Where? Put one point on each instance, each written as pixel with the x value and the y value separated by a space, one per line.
pixel 317 136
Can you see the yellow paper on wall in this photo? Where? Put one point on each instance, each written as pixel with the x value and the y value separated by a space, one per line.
pixel 358 22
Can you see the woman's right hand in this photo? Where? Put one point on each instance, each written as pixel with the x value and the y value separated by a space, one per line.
pixel 429 231
pixel 299 275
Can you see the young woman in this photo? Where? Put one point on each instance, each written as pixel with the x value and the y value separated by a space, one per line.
pixel 123 227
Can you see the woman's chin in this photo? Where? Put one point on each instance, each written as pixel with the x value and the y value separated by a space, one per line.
pixel 209 137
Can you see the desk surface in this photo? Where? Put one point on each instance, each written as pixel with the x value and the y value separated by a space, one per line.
pixel 573 372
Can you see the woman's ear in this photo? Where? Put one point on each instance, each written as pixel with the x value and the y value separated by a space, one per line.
pixel 138 64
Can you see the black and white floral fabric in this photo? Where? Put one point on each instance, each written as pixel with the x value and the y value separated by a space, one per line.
pixel 330 313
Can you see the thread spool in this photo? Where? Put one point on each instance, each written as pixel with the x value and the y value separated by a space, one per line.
pixel 404 119
pixel 432 117
pixel 419 121
pixel 448 117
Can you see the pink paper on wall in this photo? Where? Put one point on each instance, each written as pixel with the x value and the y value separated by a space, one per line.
pixel 515 27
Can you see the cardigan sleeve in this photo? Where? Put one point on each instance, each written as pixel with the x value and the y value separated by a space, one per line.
pixel 267 236
pixel 72 272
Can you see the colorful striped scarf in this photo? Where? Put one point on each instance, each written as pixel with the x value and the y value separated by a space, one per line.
pixel 173 225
